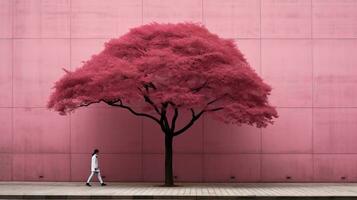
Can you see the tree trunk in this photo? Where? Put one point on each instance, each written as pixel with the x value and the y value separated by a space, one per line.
pixel 169 181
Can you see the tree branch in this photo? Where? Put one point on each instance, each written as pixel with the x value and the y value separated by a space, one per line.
pixel 213 109
pixel 194 118
pixel 87 104
pixel 215 100
pixel 163 119
pixel 163 122
pixel 173 122
pixel 131 110
pixel 147 98
pixel 195 90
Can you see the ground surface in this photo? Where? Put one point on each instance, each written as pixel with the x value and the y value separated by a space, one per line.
pixel 72 190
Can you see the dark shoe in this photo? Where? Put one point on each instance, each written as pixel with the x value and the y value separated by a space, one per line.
pixel 87 184
pixel 103 184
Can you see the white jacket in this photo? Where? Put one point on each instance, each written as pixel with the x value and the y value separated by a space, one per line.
pixel 94 163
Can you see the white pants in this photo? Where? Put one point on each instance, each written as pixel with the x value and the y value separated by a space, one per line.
pixel 98 175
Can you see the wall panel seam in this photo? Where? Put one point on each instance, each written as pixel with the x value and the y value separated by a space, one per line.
pixel 12 89
pixel 312 90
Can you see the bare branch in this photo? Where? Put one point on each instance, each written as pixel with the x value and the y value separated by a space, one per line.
pixel 195 90
pixel 174 118
pixel 194 118
pixel 163 118
pixel 89 103
pixel 213 109
pixel 215 100
pixel 147 98
pixel 131 110
pixel 65 70
pixel 193 112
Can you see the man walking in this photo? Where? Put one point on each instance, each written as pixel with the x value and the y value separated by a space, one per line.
pixel 95 169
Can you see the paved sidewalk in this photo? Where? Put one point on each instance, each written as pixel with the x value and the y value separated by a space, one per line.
pixel 71 190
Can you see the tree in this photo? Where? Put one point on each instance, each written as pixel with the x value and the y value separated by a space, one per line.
pixel 169 68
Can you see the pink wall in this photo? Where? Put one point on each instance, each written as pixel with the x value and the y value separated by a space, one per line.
pixel 306 49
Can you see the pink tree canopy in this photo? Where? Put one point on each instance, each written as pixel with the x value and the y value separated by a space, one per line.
pixel 173 66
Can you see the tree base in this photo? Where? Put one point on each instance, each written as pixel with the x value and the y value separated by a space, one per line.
pixel 168 185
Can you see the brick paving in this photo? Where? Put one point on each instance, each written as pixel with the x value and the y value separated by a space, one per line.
pixel 73 190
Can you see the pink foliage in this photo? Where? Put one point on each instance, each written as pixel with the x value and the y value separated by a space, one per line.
pixel 181 64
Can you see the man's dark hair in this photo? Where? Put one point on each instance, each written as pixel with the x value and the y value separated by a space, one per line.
pixel 95 151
